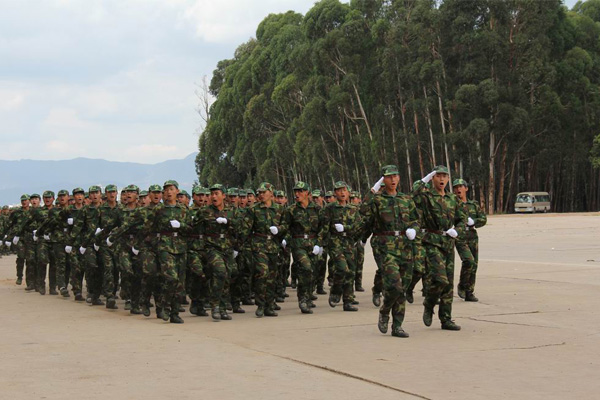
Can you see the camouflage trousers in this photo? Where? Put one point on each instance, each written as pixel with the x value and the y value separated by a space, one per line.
pixel 77 272
pixel 92 265
pixel 219 264
pixel 419 257
pixel 64 264
pixel 283 271
pixel 342 272
pixel 19 248
pixel 396 273
pixel 360 261
pixel 319 277
pixel 265 276
pixel 197 277
pixel 46 260
pixel 306 265
pixel 150 282
pixel 110 264
pixel 131 276
pixel 378 255
pixel 245 267
pixel 469 254
pixel 440 272
pixel 171 266
pixel 31 259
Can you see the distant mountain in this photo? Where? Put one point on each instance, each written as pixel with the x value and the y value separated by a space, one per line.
pixel 31 176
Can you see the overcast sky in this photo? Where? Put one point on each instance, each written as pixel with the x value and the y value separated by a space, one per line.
pixel 114 79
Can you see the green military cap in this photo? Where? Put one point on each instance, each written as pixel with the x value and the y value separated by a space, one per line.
pixel 63 192
pixel 78 190
pixel 329 193
pixel 416 184
pixel 56 201
pixel 155 188
pixel 441 169
pixel 110 188
pixel 250 191
pixel 242 192
pixel 143 193
pixel 48 193
pixel 264 187
pixel 185 193
pixel 340 184
pixel 87 194
pixel 206 191
pixel 133 188
pixel 354 193
pixel 171 182
pixel 301 186
pixel 94 188
pixel 232 192
pixel 35 195
pixel 459 182
pixel 218 186
pixel 389 170
pixel 5 207
pixel 25 197
pixel 279 193
pixel 316 193
pixel 197 190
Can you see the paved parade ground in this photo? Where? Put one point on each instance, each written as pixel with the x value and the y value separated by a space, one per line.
pixel 535 334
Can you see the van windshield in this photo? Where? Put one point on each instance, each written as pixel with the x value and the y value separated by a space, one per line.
pixel 523 198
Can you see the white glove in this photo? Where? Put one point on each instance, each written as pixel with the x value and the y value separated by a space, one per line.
pixel 274 230
pixel 96 247
pixel 46 237
pixel 135 251
pixel 321 250
pixel 428 177
pixel 15 240
pixel 316 250
pixel 221 220
pixel 361 243
pixel 108 242
pixel 377 185
pixel 35 238
pixel 175 224
pixel 235 253
pixel 68 249
pixel 283 243
pixel 470 221
pixel 411 234
pixel 82 250
pixel 339 227
pixel 8 244
pixel 452 233
pixel 70 221
pixel 98 230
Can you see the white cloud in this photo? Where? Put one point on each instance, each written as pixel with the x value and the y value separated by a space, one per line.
pixel 64 118
pixel 11 100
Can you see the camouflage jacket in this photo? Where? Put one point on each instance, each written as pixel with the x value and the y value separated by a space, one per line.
pixel 471 209
pixel 256 227
pixel 55 226
pixel 440 213
pixel 303 226
pixel 109 218
pixel 127 233
pixel 75 231
pixel 347 215
pixel 388 217
pixel 16 220
pixel 221 237
pixel 158 223
pixel 90 216
pixel 31 221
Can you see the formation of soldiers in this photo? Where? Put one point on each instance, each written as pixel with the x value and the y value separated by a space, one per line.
pixel 234 247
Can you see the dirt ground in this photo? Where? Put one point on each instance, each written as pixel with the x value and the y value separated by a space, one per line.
pixel 535 334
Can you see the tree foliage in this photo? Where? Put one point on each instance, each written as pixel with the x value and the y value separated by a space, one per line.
pixel 506 93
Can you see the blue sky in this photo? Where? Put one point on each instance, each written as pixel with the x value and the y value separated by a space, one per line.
pixel 114 79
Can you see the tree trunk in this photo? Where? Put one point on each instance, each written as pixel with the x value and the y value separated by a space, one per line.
pixel 405 132
pixel 428 118
pixel 500 196
pixel 491 176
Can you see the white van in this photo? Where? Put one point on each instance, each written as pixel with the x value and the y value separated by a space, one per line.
pixel 532 202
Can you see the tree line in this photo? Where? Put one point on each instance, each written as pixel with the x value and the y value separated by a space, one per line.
pixel 505 93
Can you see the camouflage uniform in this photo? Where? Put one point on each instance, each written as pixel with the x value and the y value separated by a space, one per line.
pixel 91 260
pixel 44 251
pixel 219 242
pixel 340 246
pixel 171 249
pixel 388 217
pixel 467 247
pixel 302 225
pixel 440 213
pixel 74 239
pixel 24 230
pixel 196 261
pixel 17 218
pixel 265 249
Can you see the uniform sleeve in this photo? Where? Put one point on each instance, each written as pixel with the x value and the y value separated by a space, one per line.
pixel 460 218
pixel 325 221
pixel 480 218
